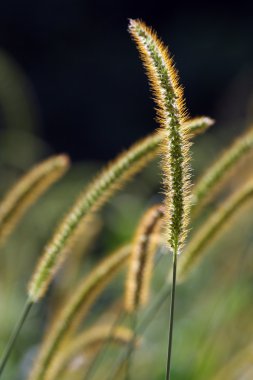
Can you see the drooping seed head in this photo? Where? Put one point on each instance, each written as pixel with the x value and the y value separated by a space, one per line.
pixel 88 342
pixel 27 190
pixel 112 178
pixel 145 243
pixel 216 223
pixel 221 170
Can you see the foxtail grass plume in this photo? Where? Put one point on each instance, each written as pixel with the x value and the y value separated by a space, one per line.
pixel 172 118
pixel 74 310
pixel 213 226
pixel 112 178
pixel 27 190
pixel 144 246
pixel 102 188
pixel 221 170
pixel 198 125
pixel 88 341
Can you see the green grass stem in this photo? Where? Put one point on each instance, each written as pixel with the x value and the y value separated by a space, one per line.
pixel 14 336
pixel 172 307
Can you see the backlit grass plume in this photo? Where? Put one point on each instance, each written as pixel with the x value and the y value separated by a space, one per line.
pixel 114 176
pixel 76 307
pixel 105 184
pixel 85 342
pixel 172 116
pixel 144 247
pixel 175 153
pixel 98 192
pixel 198 125
pixel 27 190
pixel 213 226
pixel 215 176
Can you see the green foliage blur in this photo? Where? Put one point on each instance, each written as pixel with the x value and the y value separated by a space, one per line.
pixel 213 320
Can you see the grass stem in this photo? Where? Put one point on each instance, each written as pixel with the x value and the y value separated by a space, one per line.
pixel 130 350
pixel 14 336
pixel 141 328
pixel 172 306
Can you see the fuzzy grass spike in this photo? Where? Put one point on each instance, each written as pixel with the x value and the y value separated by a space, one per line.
pixel 142 255
pixel 27 190
pixel 198 125
pixel 220 171
pixel 110 179
pixel 171 112
pixel 114 176
pixel 172 118
pixel 213 226
pixel 98 192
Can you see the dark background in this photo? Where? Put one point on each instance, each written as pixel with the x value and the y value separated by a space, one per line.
pixel 90 85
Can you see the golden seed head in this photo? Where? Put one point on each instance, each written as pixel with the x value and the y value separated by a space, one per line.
pixel 27 190
pixel 111 179
pixel 145 243
pixel 172 118
pixel 89 341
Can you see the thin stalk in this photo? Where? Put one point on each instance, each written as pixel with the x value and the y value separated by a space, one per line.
pixel 159 301
pixel 172 306
pixel 103 349
pixel 148 318
pixel 14 336
pixel 130 349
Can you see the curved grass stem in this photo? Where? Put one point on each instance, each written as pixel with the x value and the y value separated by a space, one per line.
pixel 103 349
pixel 14 336
pixel 172 307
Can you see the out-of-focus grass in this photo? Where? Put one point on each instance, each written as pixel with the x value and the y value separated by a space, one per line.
pixel 213 307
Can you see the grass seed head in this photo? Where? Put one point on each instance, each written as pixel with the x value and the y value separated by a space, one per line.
pixel 145 243
pixel 172 117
